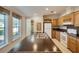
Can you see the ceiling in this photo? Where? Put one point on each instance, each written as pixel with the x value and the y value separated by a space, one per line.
pixel 29 11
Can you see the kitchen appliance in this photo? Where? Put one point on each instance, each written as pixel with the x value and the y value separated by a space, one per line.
pixel 47 29
pixel 74 31
pixel 63 36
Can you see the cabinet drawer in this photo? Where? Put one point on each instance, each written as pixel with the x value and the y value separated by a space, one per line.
pixel 72 43
pixel 72 47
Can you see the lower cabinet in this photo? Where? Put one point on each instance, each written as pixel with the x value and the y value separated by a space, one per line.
pixel 72 44
pixel 78 45
pixel 53 34
pixel 58 35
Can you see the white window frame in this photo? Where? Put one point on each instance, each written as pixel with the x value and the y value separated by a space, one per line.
pixel 18 36
pixel 5 31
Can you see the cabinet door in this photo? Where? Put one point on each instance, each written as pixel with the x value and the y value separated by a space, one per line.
pixel 54 22
pixel 68 18
pixel 60 21
pixel 53 34
pixel 76 17
pixel 72 43
pixel 78 45
pixel 58 35
pixel 71 18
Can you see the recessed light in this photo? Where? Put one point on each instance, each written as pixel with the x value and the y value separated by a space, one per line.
pixel 46 9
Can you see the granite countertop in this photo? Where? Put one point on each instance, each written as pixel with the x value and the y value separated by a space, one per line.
pixel 60 30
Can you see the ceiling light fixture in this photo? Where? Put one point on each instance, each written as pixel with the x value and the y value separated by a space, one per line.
pixel 54 12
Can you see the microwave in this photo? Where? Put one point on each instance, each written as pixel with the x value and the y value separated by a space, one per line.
pixel 74 31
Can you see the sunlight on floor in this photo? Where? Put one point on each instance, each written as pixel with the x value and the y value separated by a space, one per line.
pixel 54 48
pixel 32 39
pixel 17 47
pixel 35 47
pixel 46 50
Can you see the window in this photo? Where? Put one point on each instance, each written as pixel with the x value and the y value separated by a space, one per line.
pixel 3 28
pixel 16 27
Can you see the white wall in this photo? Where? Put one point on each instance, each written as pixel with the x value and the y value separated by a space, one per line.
pixel 37 18
pixel 28 27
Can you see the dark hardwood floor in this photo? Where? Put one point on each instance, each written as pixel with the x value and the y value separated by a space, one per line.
pixel 39 42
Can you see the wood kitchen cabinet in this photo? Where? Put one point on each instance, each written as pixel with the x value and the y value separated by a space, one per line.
pixel 78 45
pixel 69 18
pixel 46 18
pixel 60 21
pixel 71 44
pixel 53 34
pixel 54 22
pixel 58 35
pixel 76 18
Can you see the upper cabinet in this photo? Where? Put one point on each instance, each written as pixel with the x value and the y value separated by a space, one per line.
pixel 54 22
pixel 46 19
pixel 76 18
pixel 66 20
pixel 71 44
pixel 60 21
